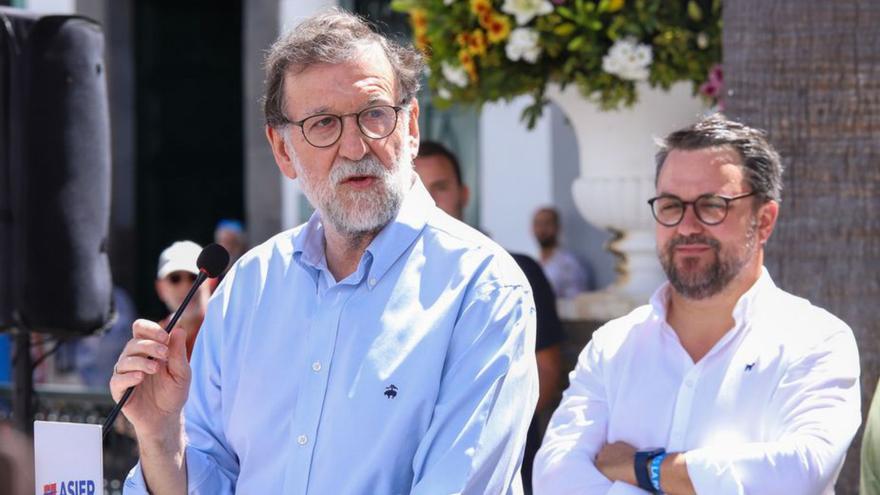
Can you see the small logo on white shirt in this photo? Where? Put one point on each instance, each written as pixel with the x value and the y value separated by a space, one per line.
pixel 750 366
pixel 391 391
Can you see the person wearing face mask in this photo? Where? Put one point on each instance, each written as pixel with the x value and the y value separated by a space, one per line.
pixel 724 384
pixel 381 347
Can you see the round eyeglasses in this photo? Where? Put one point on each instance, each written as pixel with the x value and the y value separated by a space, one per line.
pixel 324 129
pixel 711 209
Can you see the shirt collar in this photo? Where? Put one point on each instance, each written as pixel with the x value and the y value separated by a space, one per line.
pixel 399 234
pixel 742 311
pixel 391 242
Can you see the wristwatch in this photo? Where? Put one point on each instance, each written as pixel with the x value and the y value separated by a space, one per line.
pixel 643 458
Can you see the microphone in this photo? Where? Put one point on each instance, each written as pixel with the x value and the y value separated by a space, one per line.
pixel 212 261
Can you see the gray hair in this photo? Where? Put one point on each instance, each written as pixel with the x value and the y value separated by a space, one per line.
pixel 761 162
pixel 333 37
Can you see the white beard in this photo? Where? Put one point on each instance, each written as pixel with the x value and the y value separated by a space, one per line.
pixel 355 213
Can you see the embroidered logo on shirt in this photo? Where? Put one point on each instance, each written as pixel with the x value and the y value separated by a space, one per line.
pixel 391 391
pixel 750 366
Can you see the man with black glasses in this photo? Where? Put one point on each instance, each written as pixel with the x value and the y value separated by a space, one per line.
pixel 382 347
pixel 724 383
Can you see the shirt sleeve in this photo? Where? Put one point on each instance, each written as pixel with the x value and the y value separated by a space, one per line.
pixel 489 389
pixel 577 431
pixel 212 467
pixel 548 331
pixel 818 412
pixel 869 483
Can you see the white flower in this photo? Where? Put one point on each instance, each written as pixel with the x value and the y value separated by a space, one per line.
pixel 448 2
pixel 702 41
pixel 523 44
pixel 444 93
pixel 455 75
pixel 525 10
pixel 628 59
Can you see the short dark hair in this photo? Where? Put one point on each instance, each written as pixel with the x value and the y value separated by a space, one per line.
pixel 333 37
pixel 551 210
pixel 434 148
pixel 760 160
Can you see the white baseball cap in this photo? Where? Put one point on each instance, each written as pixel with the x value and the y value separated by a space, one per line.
pixel 179 257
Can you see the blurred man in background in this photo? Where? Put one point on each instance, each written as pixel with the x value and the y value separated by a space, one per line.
pixel 566 273
pixel 231 235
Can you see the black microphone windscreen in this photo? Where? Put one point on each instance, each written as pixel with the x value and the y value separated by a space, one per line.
pixel 213 260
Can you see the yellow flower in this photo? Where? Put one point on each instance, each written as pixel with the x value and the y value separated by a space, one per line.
pixel 481 7
pixel 467 62
pixel 419 20
pixel 485 19
pixel 476 43
pixel 498 28
pixel 422 42
pixel 615 5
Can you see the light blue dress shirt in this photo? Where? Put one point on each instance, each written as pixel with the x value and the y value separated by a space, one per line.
pixel 415 374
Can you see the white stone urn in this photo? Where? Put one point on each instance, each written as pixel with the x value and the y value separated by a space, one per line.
pixel 616 150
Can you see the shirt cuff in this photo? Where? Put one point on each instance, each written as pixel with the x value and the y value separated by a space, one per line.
pixel 198 468
pixel 134 482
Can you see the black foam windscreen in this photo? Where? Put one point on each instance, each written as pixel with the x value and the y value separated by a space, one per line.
pixel 59 173
pixel 213 260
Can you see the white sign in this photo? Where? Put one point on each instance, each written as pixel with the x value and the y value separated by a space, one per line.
pixel 68 459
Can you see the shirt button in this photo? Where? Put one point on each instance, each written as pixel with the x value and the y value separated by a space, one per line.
pixel 302 439
pixel 316 366
pixel 372 282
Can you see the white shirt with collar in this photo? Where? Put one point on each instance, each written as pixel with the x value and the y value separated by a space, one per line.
pixel 771 409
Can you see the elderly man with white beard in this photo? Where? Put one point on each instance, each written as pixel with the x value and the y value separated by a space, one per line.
pixel 382 347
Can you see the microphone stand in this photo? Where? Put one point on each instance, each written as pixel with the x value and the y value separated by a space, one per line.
pixel 108 423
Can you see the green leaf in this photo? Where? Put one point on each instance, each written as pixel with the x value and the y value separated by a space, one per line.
pixel 576 43
pixel 564 29
pixel 401 5
pixel 694 11
pixel 565 12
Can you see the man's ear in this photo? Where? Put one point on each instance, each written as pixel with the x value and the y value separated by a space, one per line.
pixel 413 130
pixel 283 157
pixel 465 196
pixel 767 216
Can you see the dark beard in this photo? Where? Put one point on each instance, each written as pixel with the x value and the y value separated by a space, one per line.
pixel 715 278
pixel 547 242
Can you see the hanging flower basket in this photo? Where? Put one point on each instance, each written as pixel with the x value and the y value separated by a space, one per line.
pixel 488 50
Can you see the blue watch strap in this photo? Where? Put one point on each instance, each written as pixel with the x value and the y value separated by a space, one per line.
pixel 654 471
pixel 640 465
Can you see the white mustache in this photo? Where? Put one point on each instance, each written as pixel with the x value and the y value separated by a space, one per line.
pixel 346 169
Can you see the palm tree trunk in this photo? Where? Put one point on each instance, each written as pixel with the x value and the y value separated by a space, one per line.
pixel 808 71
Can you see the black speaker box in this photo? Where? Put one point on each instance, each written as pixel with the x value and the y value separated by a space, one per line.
pixel 54 175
